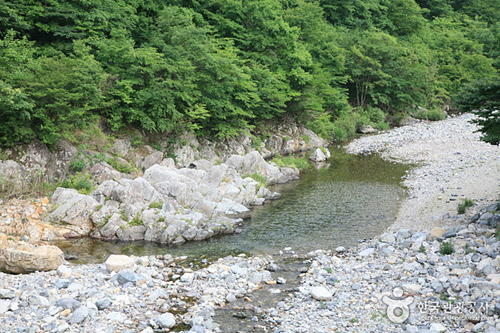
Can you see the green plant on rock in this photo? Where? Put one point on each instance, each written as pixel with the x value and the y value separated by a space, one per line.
pixel 156 204
pixel 462 206
pixel 467 248
pixel 256 141
pixel 258 178
pixel 136 221
pixel 136 140
pixel 77 164
pixel 124 216
pixel 106 219
pixel 422 249
pixel 82 182
pixel 120 165
pixel 446 248
pixel 290 161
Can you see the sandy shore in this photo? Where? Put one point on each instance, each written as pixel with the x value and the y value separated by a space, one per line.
pixel 451 163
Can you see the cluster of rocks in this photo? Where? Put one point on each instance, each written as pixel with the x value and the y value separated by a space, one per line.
pixel 445 280
pixel 27 163
pixel 284 139
pixel 170 205
pixel 128 294
pixel 441 281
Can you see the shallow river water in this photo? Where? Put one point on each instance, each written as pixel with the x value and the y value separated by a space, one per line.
pixel 348 199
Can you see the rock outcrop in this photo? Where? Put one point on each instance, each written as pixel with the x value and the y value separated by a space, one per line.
pixel 287 138
pixel 170 205
pixel 73 210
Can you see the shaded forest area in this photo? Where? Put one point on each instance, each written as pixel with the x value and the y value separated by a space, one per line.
pixel 217 67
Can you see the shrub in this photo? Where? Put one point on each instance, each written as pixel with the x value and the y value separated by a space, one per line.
pixel 373 115
pixel 121 165
pixel 290 161
pixel 82 182
pixel 156 204
pixel 432 115
pixel 77 164
pixel 258 178
pixel 136 221
pixel 446 248
pixel 382 126
pixel 462 206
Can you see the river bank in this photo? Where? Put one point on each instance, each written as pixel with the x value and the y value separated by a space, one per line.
pixel 343 290
pixel 452 163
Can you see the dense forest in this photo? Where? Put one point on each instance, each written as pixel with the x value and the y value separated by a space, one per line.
pixel 217 67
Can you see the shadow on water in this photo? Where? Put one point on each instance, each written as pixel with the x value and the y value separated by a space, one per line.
pixel 352 198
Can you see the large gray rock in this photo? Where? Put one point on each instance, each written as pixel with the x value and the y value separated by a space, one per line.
pixel 152 159
pixel 114 223
pixel 118 262
pixel 12 171
pixel 24 258
pixel 166 320
pixel 171 205
pixel 131 233
pixel 57 166
pixel 74 210
pixel 102 171
pixel 321 294
pixel 366 129
pixel 232 209
pixel 132 191
pixel 320 155
pixel 253 162
pixel 121 147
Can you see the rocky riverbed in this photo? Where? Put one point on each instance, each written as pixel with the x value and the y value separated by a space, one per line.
pixel 437 271
pixel 443 280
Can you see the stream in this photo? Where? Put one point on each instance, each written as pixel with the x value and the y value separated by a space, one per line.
pixel 335 204
pixel 339 203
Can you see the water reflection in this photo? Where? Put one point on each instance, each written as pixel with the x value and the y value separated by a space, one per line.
pixel 354 197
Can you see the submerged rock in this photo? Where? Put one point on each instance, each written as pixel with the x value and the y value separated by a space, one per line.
pixel 320 155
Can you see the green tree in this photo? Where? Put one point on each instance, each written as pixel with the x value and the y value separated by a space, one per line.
pixel 483 98
pixel 66 92
pixel 15 113
pixel 435 8
pixel 384 73
pixel 352 14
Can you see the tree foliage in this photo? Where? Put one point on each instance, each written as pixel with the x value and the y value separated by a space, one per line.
pixel 483 98
pixel 218 67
